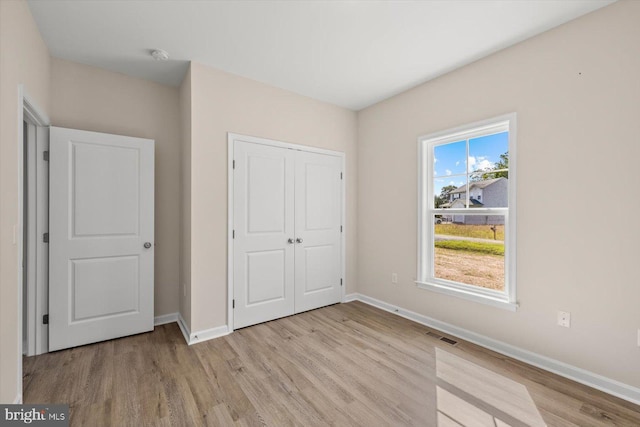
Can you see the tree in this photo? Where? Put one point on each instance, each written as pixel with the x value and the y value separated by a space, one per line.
pixel 444 195
pixel 487 173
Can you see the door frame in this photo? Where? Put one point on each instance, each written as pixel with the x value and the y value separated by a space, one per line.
pixel 35 224
pixel 29 111
pixel 231 138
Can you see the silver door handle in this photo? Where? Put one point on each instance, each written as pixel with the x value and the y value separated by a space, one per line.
pixel 298 240
pixel 290 241
pixel 147 245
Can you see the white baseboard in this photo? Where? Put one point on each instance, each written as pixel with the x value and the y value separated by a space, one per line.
pixel 201 336
pixel 184 328
pixel 599 382
pixel 165 318
pixel 18 399
pixel 351 297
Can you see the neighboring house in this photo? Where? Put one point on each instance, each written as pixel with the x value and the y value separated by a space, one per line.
pixel 490 193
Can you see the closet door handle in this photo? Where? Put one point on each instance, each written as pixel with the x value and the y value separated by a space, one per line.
pixel 290 241
pixel 298 240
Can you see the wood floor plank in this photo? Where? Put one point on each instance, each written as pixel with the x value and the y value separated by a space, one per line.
pixel 342 365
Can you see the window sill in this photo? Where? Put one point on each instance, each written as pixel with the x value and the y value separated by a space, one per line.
pixel 470 296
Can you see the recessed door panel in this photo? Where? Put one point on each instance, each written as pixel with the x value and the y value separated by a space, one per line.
pixel 265 276
pixel 105 194
pixel 320 265
pixel 101 201
pixel 266 188
pixel 319 196
pixel 104 287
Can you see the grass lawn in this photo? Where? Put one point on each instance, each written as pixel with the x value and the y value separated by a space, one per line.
pixel 477 247
pixel 478 231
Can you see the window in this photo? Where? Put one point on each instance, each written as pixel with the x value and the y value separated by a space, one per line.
pixel 467 179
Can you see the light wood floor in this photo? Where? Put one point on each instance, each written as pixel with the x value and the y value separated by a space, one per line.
pixel 347 364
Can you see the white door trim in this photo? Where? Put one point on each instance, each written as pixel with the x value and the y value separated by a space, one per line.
pixel 231 137
pixel 27 110
pixel 36 224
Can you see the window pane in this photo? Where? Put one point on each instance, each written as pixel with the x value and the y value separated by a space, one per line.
pixel 448 191
pixel 449 159
pixel 489 152
pixel 487 192
pixel 469 249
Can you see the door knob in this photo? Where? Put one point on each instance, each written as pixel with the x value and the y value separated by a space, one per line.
pixel 298 240
pixel 290 241
pixel 147 245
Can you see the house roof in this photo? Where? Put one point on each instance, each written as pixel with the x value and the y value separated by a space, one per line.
pixel 473 202
pixel 476 184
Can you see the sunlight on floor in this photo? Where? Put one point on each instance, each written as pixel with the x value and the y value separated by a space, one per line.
pixel 470 395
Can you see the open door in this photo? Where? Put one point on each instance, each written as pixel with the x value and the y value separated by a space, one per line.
pixel 101 226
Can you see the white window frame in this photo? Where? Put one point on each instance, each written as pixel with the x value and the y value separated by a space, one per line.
pixel 425 279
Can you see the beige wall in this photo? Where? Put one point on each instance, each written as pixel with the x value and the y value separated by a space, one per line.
pixel 222 103
pixel 89 98
pixel 185 207
pixel 24 58
pixel 576 90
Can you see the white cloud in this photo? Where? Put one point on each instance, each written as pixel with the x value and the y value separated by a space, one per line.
pixel 458 162
pixel 480 162
pixel 448 172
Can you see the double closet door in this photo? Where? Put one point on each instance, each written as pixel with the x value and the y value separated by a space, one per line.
pixel 287 245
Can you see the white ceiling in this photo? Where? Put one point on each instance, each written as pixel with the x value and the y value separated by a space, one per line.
pixel 348 53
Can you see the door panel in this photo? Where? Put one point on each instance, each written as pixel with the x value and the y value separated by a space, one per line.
pixel 98 203
pixel 263 223
pixel 318 221
pixel 317 276
pixel 265 276
pixel 101 214
pixel 103 286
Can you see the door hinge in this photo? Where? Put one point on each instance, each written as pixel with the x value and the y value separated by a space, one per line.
pixel 45 319
pixel 340 175
pixel 45 156
pixel 233 304
pixel 233 234
pixel 340 282
pixel 234 164
pixel 45 237
pixel 341 229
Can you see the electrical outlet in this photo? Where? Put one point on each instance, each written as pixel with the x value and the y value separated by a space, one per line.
pixel 564 319
pixel 394 278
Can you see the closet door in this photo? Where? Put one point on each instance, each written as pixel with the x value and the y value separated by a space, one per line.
pixel 263 233
pixel 318 207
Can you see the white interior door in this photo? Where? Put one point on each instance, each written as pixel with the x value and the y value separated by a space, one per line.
pixel 318 216
pixel 263 206
pixel 101 230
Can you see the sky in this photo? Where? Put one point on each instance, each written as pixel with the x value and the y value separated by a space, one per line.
pixel 450 166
